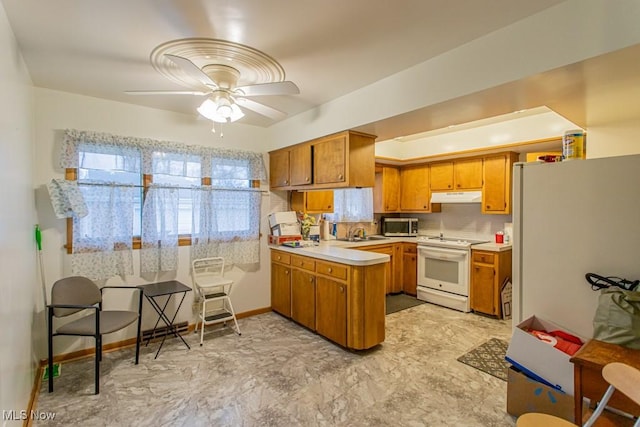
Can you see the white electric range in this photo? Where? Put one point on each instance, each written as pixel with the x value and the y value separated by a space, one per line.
pixel 444 272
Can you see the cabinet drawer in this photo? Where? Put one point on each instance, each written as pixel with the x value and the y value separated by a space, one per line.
pixel 337 271
pixel 281 257
pixel 304 263
pixel 483 257
pixel 410 249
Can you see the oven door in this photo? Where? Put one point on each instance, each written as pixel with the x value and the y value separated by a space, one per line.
pixel 444 269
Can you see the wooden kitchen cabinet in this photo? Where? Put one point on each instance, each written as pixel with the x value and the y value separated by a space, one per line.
pixel 386 191
pixel 312 201
pixel 344 159
pixel 497 175
pixel 303 298
pixel 488 272
pixel 344 303
pixel 279 169
pixel 415 190
pixel 393 272
pixel 458 175
pixel 410 268
pixel 441 176
pixel 331 309
pixel 467 174
pixel 300 165
pixel 281 283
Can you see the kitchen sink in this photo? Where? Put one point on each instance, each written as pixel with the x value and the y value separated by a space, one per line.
pixel 362 239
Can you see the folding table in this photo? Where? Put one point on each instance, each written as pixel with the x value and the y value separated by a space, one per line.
pixel 152 293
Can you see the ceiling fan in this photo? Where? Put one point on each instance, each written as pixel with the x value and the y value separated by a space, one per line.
pixel 224 96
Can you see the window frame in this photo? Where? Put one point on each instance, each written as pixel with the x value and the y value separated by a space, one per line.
pixel 71 174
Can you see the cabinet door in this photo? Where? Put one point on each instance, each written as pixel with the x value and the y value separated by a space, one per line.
pixel 319 201
pixel 279 169
pixel 467 174
pixel 329 161
pixel 414 187
pixel 331 310
pixel 281 289
pixel 300 165
pixel 482 288
pixel 303 298
pixel 441 176
pixel 386 190
pixel 495 191
pixel 409 268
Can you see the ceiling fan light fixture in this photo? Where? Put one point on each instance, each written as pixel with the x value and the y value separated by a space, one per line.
pixel 220 111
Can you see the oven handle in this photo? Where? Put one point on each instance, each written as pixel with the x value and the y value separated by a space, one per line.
pixel 442 253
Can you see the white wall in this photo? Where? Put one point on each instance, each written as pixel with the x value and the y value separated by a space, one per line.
pixel 56 111
pixel 18 281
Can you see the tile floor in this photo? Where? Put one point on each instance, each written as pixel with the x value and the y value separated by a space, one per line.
pixel 280 374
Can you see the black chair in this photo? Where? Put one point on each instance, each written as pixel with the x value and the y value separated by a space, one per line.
pixel 73 294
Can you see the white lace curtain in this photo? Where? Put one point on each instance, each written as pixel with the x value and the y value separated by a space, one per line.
pixel 223 223
pixel 352 205
pixel 102 240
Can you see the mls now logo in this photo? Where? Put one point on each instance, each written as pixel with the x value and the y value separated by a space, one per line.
pixel 13 415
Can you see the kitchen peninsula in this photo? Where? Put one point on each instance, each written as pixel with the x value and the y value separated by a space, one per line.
pixel 337 292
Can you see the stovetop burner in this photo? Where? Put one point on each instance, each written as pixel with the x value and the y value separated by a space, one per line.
pixel 452 242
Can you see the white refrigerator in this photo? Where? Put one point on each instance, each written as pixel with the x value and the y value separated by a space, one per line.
pixel 572 218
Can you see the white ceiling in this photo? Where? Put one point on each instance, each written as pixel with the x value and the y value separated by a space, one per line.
pixel 329 48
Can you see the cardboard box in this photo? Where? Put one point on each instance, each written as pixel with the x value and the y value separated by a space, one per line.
pixel 525 395
pixel 538 359
pixel 285 229
pixel 282 218
pixel 505 299
pixel 278 240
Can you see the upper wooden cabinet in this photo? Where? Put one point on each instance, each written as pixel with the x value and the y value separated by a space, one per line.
pixel 496 191
pixel 300 165
pixel 386 192
pixel 467 174
pixel 460 174
pixel 345 159
pixel 415 194
pixel 312 201
pixel 279 169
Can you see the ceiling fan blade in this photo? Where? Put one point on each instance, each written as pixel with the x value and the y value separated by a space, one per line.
pixel 261 109
pixel 192 70
pixel 165 92
pixel 277 88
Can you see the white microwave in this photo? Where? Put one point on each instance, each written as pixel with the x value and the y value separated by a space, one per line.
pixel 400 227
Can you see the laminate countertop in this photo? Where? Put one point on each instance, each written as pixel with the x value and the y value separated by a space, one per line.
pixel 492 247
pixel 336 253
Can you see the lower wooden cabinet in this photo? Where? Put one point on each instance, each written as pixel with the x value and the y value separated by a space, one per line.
pixel 303 298
pixel 393 272
pixel 410 268
pixel 331 310
pixel 488 272
pixel 344 303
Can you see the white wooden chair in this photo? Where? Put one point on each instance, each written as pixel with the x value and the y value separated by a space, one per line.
pixel 620 376
pixel 213 291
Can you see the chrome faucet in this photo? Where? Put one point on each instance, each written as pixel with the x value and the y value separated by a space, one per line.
pixel 352 233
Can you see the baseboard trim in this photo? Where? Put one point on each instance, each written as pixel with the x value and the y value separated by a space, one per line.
pixel 35 392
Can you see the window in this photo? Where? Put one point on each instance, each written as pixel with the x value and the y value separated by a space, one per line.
pixel 198 193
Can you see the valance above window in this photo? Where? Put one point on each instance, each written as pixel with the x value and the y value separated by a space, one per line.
pixel 151 156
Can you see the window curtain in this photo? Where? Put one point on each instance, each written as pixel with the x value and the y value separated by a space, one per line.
pixel 220 230
pixel 102 240
pixel 159 251
pixel 352 205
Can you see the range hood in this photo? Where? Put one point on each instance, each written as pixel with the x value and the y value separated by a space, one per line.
pixel 457 197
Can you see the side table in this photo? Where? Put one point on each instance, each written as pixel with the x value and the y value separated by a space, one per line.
pixel 152 293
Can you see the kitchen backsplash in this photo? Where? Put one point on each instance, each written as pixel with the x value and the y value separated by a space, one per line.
pixel 458 220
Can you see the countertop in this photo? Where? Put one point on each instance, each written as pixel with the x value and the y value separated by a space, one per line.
pixel 346 252
pixel 492 247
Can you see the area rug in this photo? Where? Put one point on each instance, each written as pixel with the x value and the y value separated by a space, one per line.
pixel 489 358
pixel 400 302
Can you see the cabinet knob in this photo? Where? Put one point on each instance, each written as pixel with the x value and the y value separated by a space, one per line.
pixel 330 270
pixel 341 289
pixel 329 207
pixel 279 257
pixel 458 185
pixel 340 176
pixel 310 279
pixel 424 207
pixel 286 272
pixel 448 185
pixel 286 181
pixel 306 179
